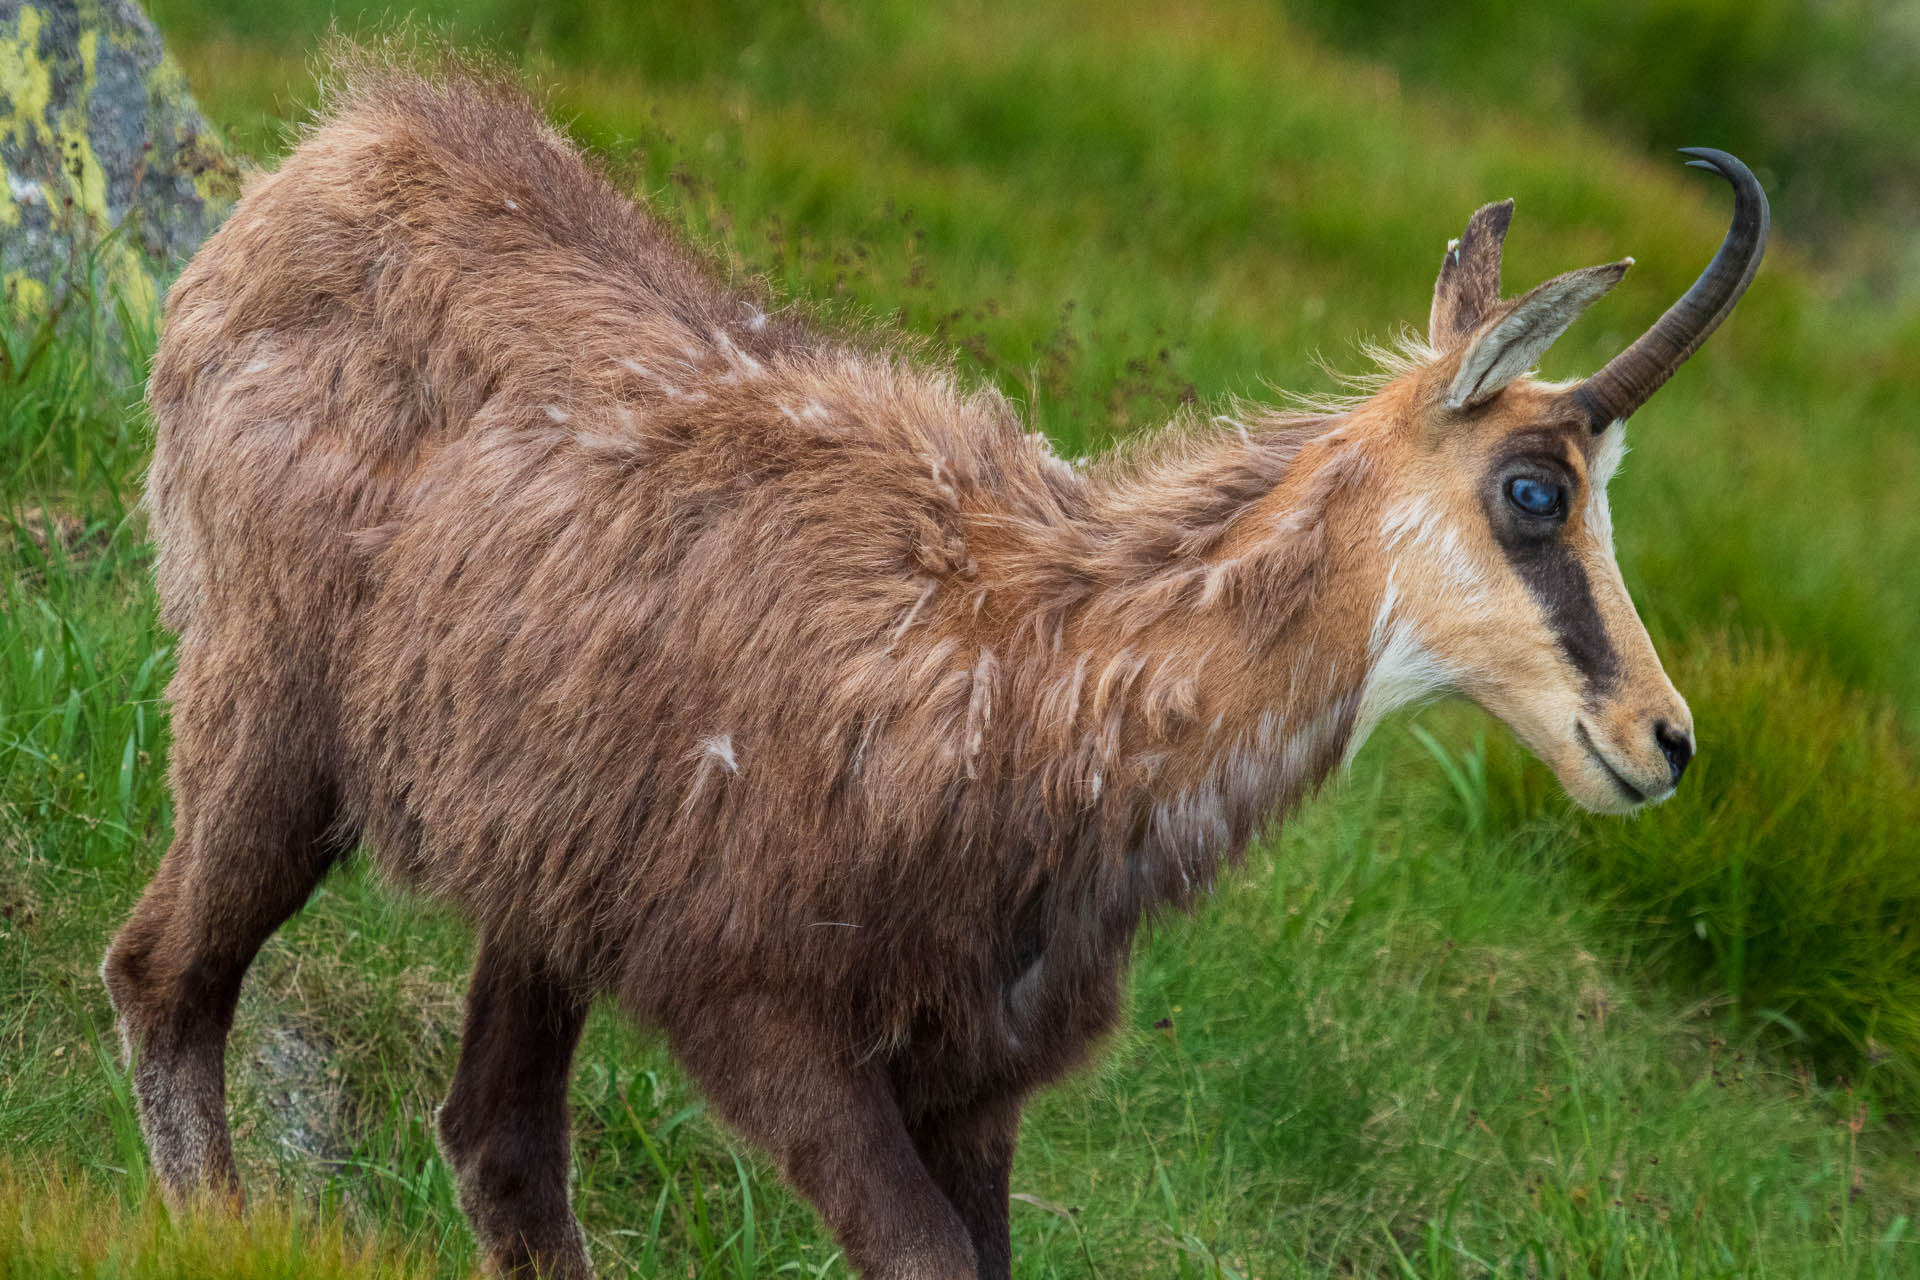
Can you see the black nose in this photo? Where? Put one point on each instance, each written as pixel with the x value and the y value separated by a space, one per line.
pixel 1676 745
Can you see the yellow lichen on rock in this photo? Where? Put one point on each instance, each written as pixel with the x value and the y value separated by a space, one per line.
pixel 25 81
pixel 26 298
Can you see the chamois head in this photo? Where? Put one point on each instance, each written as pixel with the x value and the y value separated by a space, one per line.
pixel 1494 528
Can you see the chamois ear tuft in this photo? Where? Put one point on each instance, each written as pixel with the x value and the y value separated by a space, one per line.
pixel 1512 342
pixel 1468 287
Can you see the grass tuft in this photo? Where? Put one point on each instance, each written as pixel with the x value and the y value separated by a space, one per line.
pixel 1783 874
pixel 54 1225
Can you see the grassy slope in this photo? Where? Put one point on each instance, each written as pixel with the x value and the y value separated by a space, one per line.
pixel 1446 1023
pixel 1820 93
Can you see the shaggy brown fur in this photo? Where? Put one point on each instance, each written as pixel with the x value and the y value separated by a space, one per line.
pixel 782 689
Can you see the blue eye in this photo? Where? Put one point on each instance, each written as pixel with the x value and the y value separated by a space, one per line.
pixel 1536 497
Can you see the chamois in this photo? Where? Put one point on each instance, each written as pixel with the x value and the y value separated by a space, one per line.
pixel 779 686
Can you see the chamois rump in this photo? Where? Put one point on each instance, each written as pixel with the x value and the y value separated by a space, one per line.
pixel 776 684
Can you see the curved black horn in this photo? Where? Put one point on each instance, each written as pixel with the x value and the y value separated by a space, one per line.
pixel 1631 377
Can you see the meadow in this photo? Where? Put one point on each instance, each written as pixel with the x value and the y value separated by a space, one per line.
pixel 1442 1024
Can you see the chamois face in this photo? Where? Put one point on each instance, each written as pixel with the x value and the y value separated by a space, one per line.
pixel 1499 545
pixel 1495 534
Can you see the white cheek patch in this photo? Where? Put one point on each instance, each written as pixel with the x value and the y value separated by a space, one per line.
pixel 1401 671
pixel 1606 461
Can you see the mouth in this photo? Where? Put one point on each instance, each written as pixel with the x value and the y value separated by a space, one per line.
pixel 1627 789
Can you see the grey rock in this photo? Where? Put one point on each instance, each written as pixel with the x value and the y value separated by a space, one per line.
pixel 305 1102
pixel 112 177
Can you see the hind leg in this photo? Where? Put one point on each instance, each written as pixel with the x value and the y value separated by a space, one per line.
pixel 504 1128
pixel 251 841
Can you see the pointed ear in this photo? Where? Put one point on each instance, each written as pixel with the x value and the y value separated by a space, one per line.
pixel 1468 288
pixel 1520 333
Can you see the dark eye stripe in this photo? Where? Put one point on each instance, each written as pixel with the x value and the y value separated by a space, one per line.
pixel 1559 582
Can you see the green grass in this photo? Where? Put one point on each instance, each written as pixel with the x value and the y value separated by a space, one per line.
pixel 1443 1025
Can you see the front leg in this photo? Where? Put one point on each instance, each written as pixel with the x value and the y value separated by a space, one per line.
pixel 969 1152
pixel 833 1124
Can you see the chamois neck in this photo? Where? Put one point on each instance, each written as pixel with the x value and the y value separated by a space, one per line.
pixel 1211 671
pixel 1227 542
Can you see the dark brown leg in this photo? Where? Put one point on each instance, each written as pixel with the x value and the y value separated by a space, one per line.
pixel 970 1155
pixel 505 1128
pixel 834 1127
pixel 251 841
